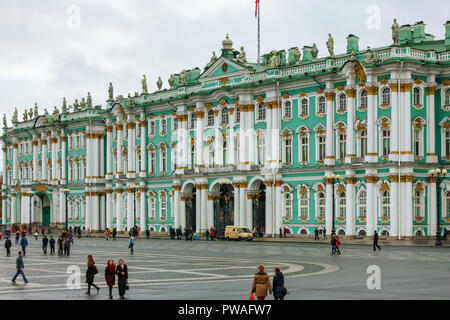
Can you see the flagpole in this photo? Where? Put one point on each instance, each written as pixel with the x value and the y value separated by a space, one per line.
pixel 259 35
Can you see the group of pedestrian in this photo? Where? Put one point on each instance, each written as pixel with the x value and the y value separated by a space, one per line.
pixel 335 242
pixel 261 284
pixel 283 232
pixel 111 270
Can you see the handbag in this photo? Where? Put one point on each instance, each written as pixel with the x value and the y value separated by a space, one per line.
pixel 127 287
pixel 252 297
pixel 95 270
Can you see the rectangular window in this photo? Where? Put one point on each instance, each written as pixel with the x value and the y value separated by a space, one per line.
pixel 321 147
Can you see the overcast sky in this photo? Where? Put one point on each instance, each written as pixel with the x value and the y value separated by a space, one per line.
pixel 49 51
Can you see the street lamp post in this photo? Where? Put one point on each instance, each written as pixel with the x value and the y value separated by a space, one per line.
pixel 438 174
pixel 333 178
pixel 66 224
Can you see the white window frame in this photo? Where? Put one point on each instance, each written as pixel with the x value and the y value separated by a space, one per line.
pixel 287 205
pixel 418 141
pixel 419 204
pixel 303 143
pixel 385 204
pixel 285 108
pixel 261 112
pixel 318 108
pixel 210 118
pixel 363 100
pixel 301 109
pixel 285 149
pixel 225 116
pixel 360 206
pixel 342 103
pixel 320 208
pixel 303 205
pixel 386 96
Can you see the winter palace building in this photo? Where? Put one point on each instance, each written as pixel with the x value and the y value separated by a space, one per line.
pixel 251 145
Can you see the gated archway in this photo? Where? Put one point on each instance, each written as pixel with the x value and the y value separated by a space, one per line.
pixel 223 208
pixel 190 195
pixel 259 208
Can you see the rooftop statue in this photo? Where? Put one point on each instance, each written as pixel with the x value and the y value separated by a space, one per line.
pixel 14 117
pixel 30 114
pixel 242 57
pixel 36 112
pixel 76 105
pixel 64 107
pixel 144 85
pixel 274 61
pixel 370 57
pixel 297 55
pixel 89 100
pixel 5 124
pixel 211 62
pixel 46 113
pixel 110 92
pixel 330 45
pixel 25 116
pixel 171 81
pixel 183 78
pixel 159 83
pixel 395 36
pixel 55 114
pixel 314 51
pixel 83 103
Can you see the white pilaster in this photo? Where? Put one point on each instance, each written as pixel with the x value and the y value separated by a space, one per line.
pixel 329 141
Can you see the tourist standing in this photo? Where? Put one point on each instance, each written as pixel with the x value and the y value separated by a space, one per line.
pixel 122 278
pixel 445 234
pixel 316 234
pixel 90 273
pixel 107 234
pixel 24 244
pixel 44 244
pixel 17 236
pixel 110 276
pixel 35 234
pixel 279 291
pixel 281 233
pixel 8 245
pixel 375 241
pixel 19 267
pixel 67 247
pixel 88 233
pixel 131 244
pixel 337 245
pixel 284 231
pixel 324 234
pixel 52 245
pixel 207 234
pixel 261 283
pixel 191 233
pixel 333 244
pixel 114 233
pixel 60 245
pixel 212 234
pixel 147 233
pixel 79 233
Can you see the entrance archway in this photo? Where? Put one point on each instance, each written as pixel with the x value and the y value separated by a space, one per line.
pixel 223 208
pixel 45 205
pixel 258 190
pixel 190 194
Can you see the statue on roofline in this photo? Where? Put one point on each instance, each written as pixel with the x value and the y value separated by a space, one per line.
pixel 212 61
pixel 242 57
pixel 64 107
pixel 5 123
pixel 144 85
pixel 25 116
pixel 370 57
pixel 171 81
pixel 330 45
pixel 76 105
pixel 36 112
pixel 83 103
pixel 159 83
pixel 183 78
pixel 395 36
pixel 314 51
pixel 110 92
pixel 55 114
pixel 89 100
pixel 30 114
pixel 274 61
pixel 297 55
pixel 14 117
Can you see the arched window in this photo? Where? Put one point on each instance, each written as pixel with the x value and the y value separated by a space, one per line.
pixel 152 158
pixel 362 204
pixel 341 205
pixel 152 206
pixel 304 148
pixel 418 141
pixel 261 111
pixel 225 116
pixel 320 140
pixel 163 208
pixel 287 110
pixel 163 126
pixel 385 142
pixel 342 138
pixel 364 99
pixel 304 107
pixel 386 96
pixel 321 105
pixel 287 205
pixel 261 149
pixel 385 204
pixel 416 97
pixel 446 145
pixel 210 118
pixel 321 205
pixel 211 155
pixel 193 120
pixel 342 102
pixel 447 97
pixel 363 143
pixel 287 150
pixel 418 204
pixel 163 155
pixel 152 128
pixel 304 206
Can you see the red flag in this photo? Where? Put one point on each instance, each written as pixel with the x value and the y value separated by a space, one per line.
pixel 256 8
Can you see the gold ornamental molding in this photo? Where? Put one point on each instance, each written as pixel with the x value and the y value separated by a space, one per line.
pixel 384 81
pixel 418 81
pixel 268 183
pixel 285 95
pixel 35 143
pixel 419 187
pixel 405 87
pixel 223 102
pixel 446 82
pixel 393 178
pixel 41 188
pixel 431 90
pixel 350 180
pixel 407 178
pixel 109 128
pixel 303 94
pixel 278 183
pixel 200 114
pixel 371 179
pixel 372 90
pixel 384 187
pixel 393 86
pixel 224 80
pixel 340 88
pixel 431 179
pixel 330 95
pixel 319 91
pixel 361 84
pixel 351 93
pixel 328 180
pixel 260 99
pixel 359 72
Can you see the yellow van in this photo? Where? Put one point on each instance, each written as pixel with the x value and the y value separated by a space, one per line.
pixel 238 233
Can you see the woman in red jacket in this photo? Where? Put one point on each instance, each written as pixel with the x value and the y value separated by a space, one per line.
pixel 110 276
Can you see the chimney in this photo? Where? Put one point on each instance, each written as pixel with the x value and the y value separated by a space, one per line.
pixel 419 32
pixel 307 55
pixel 352 43
pixel 447 34
pixel 405 34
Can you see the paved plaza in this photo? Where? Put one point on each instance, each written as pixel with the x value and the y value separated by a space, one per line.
pixel 179 269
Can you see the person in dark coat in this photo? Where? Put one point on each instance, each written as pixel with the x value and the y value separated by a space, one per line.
pixel 114 233
pixel 281 233
pixel 52 245
pixel 338 242
pixel 24 244
pixel 19 268
pixel 90 273
pixel 79 232
pixel 60 245
pixel 44 244
pixel 110 276
pixel 8 245
pixel 147 233
pixel 186 233
pixel 279 291
pixel 191 233
pixel 445 234
pixel 375 241
pixel 316 234
pixel 122 278
pixel 67 247
pixel 17 236
pixel 207 234
pixel 333 244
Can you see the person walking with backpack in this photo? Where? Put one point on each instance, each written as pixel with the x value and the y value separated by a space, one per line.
pixel 279 290
pixel 110 276
pixel 131 244
pixel 44 245
pixel 19 267
pixel 52 245
pixel 8 245
pixel 261 283
pixel 24 244
pixel 375 241
pixel 122 278
pixel 90 273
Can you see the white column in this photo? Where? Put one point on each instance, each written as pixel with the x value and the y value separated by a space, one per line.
pixel 204 211
pixel 119 210
pixel 143 223
pixel 432 206
pixel 328 206
pixel 408 222
pixel 242 204
pixel 102 210
pixel 143 149
pixel 248 222
pixel 109 154
pixel 130 209
pixel 131 150
pixel 4 212
pixel 54 141
pixel 183 213
pixel 88 220
pixel 15 174
pixel 176 204
pixel 13 207
pixel 351 93
pixel 405 112
pixel 329 141
pixel 372 153
pixel 102 156
pixel 210 207
pixel 277 206
pixel 198 208
pixel 63 160
pixel 95 212
pixel 62 207
pixel 44 175
pixel 185 142
pixel 35 159
pixel 269 213
pixel 395 130
pixel 350 207
pixel 242 135
pixel 119 129
pixel 394 206
pixel 237 200
pixel 199 135
pixel 371 206
pixel 431 126
pixel 251 135
pixel 108 207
